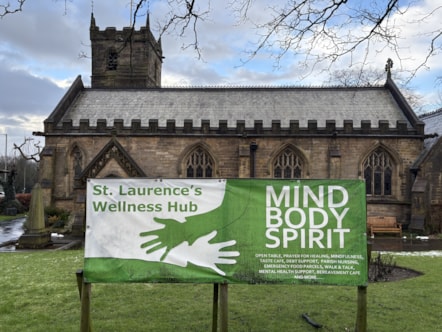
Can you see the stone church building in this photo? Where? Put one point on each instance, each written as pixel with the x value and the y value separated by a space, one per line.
pixel 127 125
pixel 426 207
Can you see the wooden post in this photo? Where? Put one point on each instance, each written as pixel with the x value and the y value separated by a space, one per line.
pixel 224 307
pixel 84 288
pixel 86 307
pixel 215 308
pixel 79 275
pixel 361 316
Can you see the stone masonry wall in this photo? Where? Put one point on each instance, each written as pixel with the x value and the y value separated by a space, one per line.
pixel 162 156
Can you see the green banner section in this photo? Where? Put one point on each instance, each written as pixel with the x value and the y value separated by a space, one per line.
pixel 226 231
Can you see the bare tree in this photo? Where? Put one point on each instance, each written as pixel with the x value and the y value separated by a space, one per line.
pixel 25 151
pixel 7 8
pixel 321 32
pixel 183 17
pixel 357 77
pixel 374 77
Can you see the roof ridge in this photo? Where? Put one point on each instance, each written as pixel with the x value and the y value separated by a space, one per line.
pixel 265 86
pixel 428 114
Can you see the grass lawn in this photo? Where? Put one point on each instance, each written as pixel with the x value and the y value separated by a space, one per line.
pixel 38 292
pixel 8 218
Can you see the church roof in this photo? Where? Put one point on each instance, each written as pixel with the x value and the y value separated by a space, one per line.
pixel 232 105
pixel 433 132
pixel 433 125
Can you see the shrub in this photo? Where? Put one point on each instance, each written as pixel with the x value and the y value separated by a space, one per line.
pixel 24 199
pixel 15 205
pixel 56 217
pixel 381 267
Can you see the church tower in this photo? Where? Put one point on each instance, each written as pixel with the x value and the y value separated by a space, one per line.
pixel 125 58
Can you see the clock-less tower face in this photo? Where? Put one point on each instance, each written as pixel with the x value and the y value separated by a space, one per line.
pixel 125 58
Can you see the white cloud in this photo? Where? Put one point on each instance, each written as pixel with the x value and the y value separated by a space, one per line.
pixel 40 47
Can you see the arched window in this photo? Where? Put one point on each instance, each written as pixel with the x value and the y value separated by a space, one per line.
pixel 77 161
pixel 378 173
pixel 287 165
pixel 112 59
pixel 199 164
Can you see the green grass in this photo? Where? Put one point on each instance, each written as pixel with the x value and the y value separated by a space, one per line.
pixel 7 218
pixel 38 292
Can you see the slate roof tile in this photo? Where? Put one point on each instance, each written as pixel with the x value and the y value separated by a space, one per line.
pixel 232 104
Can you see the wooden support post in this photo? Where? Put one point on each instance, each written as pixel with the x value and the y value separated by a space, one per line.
pixel 84 288
pixel 86 308
pixel 215 308
pixel 224 307
pixel 361 316
pixel 79 275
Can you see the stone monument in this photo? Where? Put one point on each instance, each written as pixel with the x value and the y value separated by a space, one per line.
pixel 36 235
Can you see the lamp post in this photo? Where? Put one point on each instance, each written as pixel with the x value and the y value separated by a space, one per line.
pixel 27 140
pixel 6 156
pixel 24 177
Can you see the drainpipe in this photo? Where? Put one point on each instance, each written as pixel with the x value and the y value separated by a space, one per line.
pixel 253 148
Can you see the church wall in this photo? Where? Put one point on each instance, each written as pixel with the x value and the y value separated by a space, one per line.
pixel 161 156
pixel 431 170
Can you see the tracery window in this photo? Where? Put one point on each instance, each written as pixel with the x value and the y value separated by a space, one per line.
pixel 199 164
pixel 378 173
pixel 287 165
pixel 112 59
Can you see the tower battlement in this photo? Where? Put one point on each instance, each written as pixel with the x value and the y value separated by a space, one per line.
pixel 126 58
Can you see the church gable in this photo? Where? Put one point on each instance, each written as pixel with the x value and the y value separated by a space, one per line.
pixel 112 169
pixel 112 160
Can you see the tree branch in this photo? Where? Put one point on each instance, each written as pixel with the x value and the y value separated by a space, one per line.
pixel 185 15
pixel 8 9
pixel 34 156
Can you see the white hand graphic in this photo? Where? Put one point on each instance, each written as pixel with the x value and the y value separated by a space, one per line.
pixel 202 253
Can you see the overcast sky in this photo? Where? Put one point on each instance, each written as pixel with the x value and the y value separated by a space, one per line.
pixel 40 56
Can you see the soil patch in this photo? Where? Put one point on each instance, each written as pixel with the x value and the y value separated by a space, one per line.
pixel 392 273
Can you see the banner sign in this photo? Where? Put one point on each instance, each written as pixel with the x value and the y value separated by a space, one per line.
pixel 226 231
